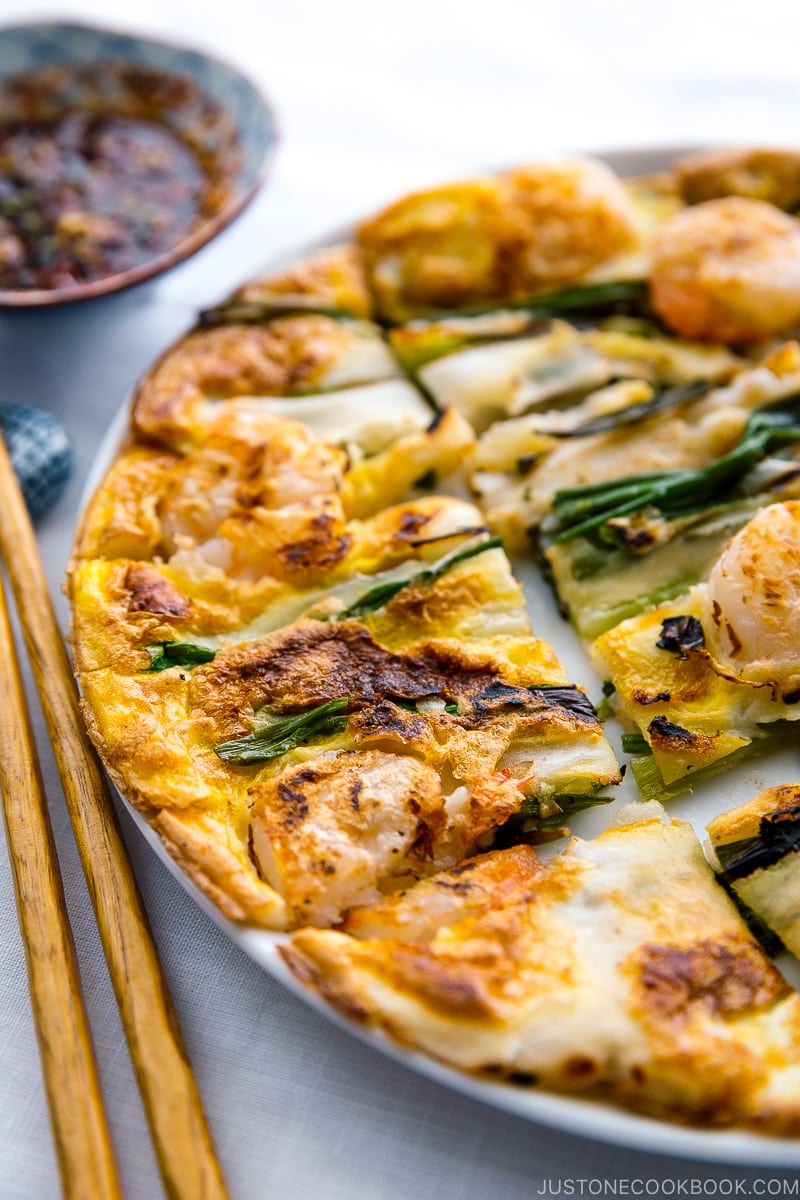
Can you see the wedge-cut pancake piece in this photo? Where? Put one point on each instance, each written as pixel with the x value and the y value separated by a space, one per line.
pixel 255 709
pixel 690 720
pixel 495 238
pixel 331 278
pixel 620 966
pixel 294 354
pixel 714 674
pixel 619 543
pixel 503 364
pixel 522 474
pixel 755 847
pixel 759 173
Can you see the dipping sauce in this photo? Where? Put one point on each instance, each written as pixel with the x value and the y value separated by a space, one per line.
pixel 91 195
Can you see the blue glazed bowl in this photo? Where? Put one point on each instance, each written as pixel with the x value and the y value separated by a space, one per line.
pixel 64 65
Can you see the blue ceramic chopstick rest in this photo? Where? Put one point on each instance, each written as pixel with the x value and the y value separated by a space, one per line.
pixel 40 452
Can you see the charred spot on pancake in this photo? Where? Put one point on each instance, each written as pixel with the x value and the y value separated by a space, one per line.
pixel 356 788
pixel 665 734
pixel 311 662
pixel 726 977
pixel 319 550
pixel 448 987
pixel 581 1066
pixel 387 719
pixel 462 868
pixel 292 797
pixel 461 888
pixel 526 462
pixel 411 522
pixel 680 635
pixel 499 697
pixel 643 696
pixel 637 539
pixel 150 592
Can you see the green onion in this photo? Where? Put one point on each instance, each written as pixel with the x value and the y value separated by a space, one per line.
pixel 632 414
pixel 255 312
pixel 635 743
pixel 630 296
pixel 673 493
pixel 380 595
pixel 177 654
pixel 284 733
pixel 778 835
pixel 770 941
pixel 569 804
pixel 591 298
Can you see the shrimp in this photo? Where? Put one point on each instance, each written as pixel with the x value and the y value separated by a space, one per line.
pixel 751 602
pixel 341 830
pixel 727 271
pixel 260 495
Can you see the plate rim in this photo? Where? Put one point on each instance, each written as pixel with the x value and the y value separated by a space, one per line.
pixel 591 1119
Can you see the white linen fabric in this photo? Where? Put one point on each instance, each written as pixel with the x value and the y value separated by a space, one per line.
pixel 372 100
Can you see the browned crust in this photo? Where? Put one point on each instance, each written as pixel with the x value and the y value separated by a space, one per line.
pixel 758 173
pixel 334 276
pixel 282 357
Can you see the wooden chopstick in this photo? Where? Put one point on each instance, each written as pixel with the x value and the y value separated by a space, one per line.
pixel 80 1130
pixel 185 1151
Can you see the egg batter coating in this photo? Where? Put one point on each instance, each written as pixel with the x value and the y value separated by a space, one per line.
pixel 619 968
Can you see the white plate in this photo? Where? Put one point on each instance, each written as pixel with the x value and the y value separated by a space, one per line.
pixel 574 1115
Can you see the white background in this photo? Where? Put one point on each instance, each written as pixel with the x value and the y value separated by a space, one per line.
pixel 372 99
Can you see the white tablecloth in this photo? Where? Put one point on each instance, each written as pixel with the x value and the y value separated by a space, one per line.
pixel 373 99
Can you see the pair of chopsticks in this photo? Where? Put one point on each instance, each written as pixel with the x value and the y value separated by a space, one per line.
pixel 185 1152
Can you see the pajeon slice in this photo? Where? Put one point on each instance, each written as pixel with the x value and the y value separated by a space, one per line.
pixel 332 279
pixel 260 499
pixel 617 543
pixel 284 357
pixel 519 474
pixel 295 345
pixel 724 271
pixel 561 359
pixel 411 684
pixel 496 238
pixel 253 362
pixel 619 968
pixel 714 675
pixel 755 848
